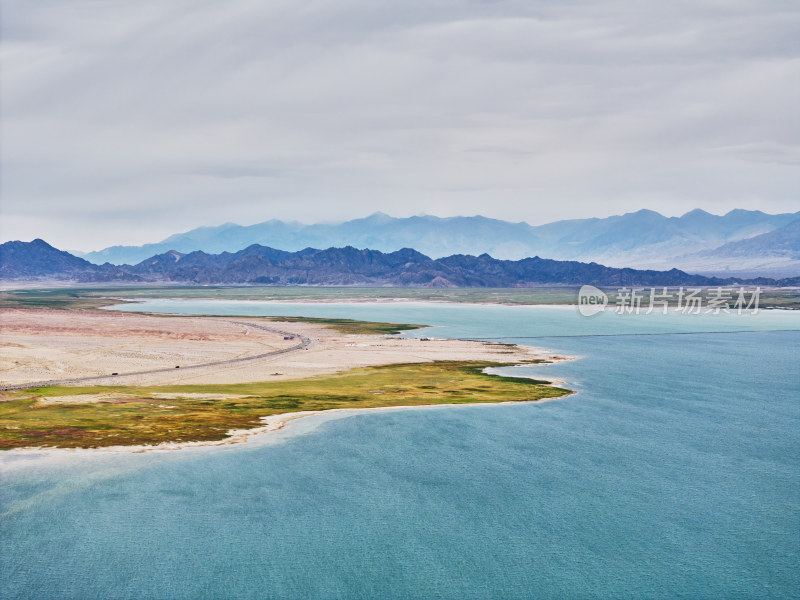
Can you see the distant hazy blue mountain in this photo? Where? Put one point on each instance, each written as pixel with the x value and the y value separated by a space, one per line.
pixel 773 254
pixel 783 242
pixel 439 237
pixel 643 239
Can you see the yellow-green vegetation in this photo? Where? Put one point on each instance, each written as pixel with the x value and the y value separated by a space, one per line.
pixel 351 326
pixel 55 299
pixel 149 415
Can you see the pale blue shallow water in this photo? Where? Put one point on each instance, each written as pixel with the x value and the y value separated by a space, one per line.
pixel 673 473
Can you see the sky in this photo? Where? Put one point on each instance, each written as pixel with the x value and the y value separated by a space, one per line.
pixel 124 121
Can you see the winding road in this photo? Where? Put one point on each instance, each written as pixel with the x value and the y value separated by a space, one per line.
pixel 305 343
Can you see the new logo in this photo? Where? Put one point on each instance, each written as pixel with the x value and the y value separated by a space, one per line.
pixel 591 300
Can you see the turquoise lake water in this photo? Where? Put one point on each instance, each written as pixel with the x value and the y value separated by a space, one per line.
pixel 673 473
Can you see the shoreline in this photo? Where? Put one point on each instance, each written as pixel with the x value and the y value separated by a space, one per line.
pixel 239 437
pixel 334 353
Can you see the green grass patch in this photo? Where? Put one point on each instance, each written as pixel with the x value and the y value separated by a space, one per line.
pixel 351 326
pixel 54 299
pixel 135 416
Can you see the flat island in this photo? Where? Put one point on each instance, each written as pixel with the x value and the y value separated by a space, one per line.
pixel 136 381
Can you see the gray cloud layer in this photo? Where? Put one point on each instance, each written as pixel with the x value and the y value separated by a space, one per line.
pixel 124 121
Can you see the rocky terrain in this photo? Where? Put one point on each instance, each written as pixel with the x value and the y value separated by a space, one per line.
pixel 261 265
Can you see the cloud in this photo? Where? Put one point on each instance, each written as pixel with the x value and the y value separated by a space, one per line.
pixel 127 120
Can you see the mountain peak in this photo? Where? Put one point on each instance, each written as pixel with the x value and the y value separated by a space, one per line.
pixel 743 211
pixel 37 259
pixel 644 212
pixel 697 212
pixel 379 217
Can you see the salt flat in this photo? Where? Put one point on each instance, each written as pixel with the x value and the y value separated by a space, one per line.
pixel 40 345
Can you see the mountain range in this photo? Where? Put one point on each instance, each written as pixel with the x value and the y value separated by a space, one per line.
pixel 261 265
pixel 39 260
pixel 741 243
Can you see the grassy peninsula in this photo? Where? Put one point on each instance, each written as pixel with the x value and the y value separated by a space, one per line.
pixel 92 417
pixel 351 326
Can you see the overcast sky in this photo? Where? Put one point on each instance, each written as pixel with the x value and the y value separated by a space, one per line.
pixel 124 121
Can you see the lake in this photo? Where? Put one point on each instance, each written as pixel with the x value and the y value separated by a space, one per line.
pixel 674 472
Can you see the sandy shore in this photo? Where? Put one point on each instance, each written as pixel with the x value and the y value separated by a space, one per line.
pixel 40 345
pixel 271 424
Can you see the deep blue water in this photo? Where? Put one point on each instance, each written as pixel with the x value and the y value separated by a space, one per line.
pixel 673 473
